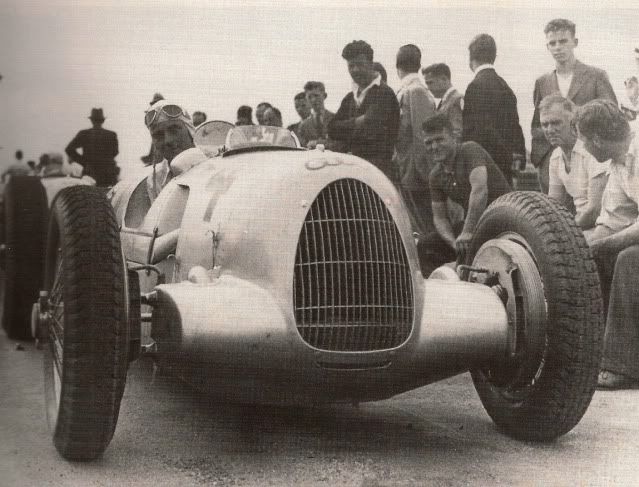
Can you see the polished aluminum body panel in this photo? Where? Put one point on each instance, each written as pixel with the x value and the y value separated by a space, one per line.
pixel 229 318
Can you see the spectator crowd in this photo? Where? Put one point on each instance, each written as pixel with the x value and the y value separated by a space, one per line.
pixel 451 154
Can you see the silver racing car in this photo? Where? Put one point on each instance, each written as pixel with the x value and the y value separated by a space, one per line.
pixel 274 274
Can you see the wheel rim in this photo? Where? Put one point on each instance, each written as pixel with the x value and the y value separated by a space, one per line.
pixel 513 259
pixel 55 326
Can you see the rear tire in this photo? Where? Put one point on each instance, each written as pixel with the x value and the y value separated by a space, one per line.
pixel 25 218
pixel 545 401
pixel 86 357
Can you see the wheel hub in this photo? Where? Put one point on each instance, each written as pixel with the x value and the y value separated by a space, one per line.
pixel 40 319
pixel 513 273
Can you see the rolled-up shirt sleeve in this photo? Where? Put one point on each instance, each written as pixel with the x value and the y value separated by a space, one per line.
pixel 620 204
pixel 555 184
pixel 618 210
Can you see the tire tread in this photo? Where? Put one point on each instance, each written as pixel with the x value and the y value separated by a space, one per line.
pixel 95 335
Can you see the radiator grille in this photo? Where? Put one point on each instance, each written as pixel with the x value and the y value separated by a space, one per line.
pixel 352 285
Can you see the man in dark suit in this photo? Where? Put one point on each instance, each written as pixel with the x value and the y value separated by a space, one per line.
pixel 99 148
pixel 490 109
pixel 575 81
pixel 368 118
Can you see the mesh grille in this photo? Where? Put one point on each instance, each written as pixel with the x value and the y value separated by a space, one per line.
pixel 352 285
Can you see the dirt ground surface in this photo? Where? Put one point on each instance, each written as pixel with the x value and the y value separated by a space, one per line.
pixel 439 435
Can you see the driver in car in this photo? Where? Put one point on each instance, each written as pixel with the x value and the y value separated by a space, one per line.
pixel 172 135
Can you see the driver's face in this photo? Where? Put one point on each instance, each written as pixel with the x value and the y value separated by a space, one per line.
pixel 171 138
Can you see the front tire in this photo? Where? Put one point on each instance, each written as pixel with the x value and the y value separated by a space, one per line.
pixel 85 316
pixel 542 391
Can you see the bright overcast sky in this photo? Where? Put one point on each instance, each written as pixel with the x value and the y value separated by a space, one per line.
pixel 59 59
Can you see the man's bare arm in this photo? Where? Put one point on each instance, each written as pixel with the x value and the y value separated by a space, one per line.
pixel 617 241
pixel 478 198
pixel 557 191
pixel 442 223
pixel 596 188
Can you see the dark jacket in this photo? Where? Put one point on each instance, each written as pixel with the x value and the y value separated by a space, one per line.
pixel 490 118
pixel 588 83
pixel 375 139
pixel 309 128
pixel 99 148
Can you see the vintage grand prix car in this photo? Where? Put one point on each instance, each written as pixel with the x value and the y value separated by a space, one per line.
pixel 274 274
pixel 24 209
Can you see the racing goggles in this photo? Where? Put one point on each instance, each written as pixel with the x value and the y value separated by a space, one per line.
pixel 171 111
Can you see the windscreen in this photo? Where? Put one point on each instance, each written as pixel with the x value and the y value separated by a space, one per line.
pixel 246 136
pixel 210 136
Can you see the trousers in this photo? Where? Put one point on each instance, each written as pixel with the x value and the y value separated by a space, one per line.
pixel 620 284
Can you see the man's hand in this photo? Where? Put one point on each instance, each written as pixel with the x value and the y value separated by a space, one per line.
pixel 462 244
pixel 311 144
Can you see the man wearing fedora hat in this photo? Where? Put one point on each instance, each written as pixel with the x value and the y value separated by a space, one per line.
pixel 99 148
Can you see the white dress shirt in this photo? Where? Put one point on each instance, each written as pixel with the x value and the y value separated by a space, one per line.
pixel 564 83
pixel 583 169
pixel 360 95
